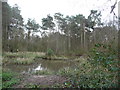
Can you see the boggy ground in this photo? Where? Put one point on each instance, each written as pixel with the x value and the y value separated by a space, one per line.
pixel 31 80
pixel 41 81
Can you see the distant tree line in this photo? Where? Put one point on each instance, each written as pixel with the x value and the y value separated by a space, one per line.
pixel 63 34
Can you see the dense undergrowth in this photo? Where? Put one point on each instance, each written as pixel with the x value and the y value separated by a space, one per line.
pixel 9 79
pixel 100 70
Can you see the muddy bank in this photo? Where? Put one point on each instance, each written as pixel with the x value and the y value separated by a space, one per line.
pixel 41 80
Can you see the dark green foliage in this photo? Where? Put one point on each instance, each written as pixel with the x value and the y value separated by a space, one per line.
pixel 104 55
pixel 50 52
pixel 47 23
pixel 32 25
pixel 94 18
pixel 10 83
pixel 99 72
pixel 93 80
pixel 97 78
pixel 7 76
pixel 9 79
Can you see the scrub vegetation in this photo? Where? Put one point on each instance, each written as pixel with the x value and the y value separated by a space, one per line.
pixel 71 52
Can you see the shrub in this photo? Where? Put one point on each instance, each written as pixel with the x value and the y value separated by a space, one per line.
pixel 7 76
pixel 50 52
pixel 88 77
pixel 104 55
pixel 99 71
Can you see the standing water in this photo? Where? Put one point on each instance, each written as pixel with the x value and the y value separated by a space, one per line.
pixel 41 65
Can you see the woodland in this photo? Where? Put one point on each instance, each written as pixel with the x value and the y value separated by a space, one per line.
pixel 68 51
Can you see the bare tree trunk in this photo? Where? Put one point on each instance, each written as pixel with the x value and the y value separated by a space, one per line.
pixel 49 39
pixel 81 40
pixel 69 41
pixel 6 30
pixel 28 46
pixel 1 31
pixel 84 36
pixel 94 35
pixel 57 38
pixel 47 43
pixel 56 44
pixel 64 46
pixel 119 30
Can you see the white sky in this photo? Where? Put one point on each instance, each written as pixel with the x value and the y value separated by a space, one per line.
pixel 39 9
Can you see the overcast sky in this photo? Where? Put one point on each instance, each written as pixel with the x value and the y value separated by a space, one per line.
pixel 39 9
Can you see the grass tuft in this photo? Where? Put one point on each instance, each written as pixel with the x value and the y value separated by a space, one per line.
pixel 23 61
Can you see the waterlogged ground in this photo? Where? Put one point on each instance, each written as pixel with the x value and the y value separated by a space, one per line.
pixel 40 72
pixel 41 81
pixel 40 65
pixel 31 70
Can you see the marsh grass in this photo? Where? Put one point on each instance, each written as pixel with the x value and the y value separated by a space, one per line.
pixel 21 57
pixel 60 57
pixel 23 61
pixel 5 60
pixel 24 54
pixel 54 57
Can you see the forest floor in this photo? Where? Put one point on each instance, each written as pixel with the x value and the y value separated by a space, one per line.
pixel 29 81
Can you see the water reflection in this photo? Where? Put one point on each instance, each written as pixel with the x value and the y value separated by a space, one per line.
pixel 41 65
pixel 38 68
